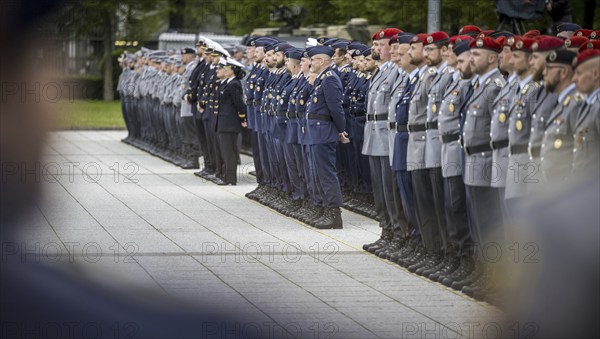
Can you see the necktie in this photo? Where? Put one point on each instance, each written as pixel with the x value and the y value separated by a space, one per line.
pixel 468 96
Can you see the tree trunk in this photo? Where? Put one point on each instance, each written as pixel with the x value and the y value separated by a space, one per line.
pixel 108 49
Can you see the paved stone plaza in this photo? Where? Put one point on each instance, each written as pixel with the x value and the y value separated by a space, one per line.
pixel 131 218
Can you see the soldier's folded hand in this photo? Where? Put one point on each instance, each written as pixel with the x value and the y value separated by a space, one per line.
pixel 344 138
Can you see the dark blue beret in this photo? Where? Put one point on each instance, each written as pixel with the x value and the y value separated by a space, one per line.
pixel 312 51
pixel 405 37
pixel 355 44
pixel 461 47
pixel 263 41
pixel 567 26
pixel 340 43
pixel 282 47
pixel 366 52
pixel 330 41
pixel 294 53
pixel 188 50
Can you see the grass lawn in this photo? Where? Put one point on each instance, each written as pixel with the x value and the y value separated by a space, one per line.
pixel 89 114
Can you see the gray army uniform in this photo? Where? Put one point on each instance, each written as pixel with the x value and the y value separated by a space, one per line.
pixel 440 81
pixel 586 153
pixel 449 127
pixel 417 117
pixel 558 142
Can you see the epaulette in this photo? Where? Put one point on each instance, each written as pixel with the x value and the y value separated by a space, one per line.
pixel 499 82
pixel 578 97
pixel 431 70
pixel 525 89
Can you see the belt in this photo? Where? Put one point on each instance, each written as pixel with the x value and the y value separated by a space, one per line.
pixel 417 128
pixel 358 114
pixel 398 127
pixel 283 114
pixel 431 125
pixel 291 115
pixel 499 144
pixel 477 149
pixel 377 117
pixel 450 137
pixel 534 152
pixel 318 117
pixel 256 102
pixel 518 149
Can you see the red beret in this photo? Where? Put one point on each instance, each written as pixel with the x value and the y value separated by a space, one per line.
pixel 547 43
pixel 591 44
pixel 585 32
pixel 386 33
pixel 375 36
pixel 455 39
pixel 436 37
pixel 523 44
pixel 576 41
pixel 510 41
pixel 469 29
pixel 532 34
pixel 486 43
pixel 421 37
pixel 585 56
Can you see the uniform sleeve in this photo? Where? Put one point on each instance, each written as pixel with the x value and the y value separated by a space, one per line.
pixel 238 101
pixel 332 89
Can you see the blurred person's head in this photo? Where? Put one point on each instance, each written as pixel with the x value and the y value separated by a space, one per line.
pixel 587 71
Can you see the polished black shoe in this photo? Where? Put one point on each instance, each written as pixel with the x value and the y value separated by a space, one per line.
pixel 332 219
pixel 448 265
pixel 316 217
pixel 464 270
pixel 416 256
pixel 219 181
pixel 468 280
pixel 433 261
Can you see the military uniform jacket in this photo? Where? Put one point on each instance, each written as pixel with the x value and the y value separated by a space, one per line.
pixel 557 144
pixel 207 98
pixel 433 145
pixel 400 147
pixel 449 127
pixel 376 127
pixel 301 100
pixel 273 98
pixel 184 85
pixel 292 128
pixel 261 74
pixel 396 94
pixel 282 105
pixel 417 117
pixel 521 170
pixel 499 131
pixel 586 153
pixel 324 113
pixel 476 130
pixel 231 111
pixel 249 95
pixel 358 107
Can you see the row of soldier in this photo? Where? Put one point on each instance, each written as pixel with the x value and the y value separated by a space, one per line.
pixel 450 136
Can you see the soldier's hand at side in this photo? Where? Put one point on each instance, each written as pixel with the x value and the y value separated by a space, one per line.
pixel 344 138
pixel 244 124
pixel 200 109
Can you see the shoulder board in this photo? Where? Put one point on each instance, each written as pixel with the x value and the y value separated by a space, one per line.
pixel 538 84
pixel 253 76
pixel 566 101
pixel 578 97
pixel 499 82
pixel 525 89
pixel 329 73
pixel 431 70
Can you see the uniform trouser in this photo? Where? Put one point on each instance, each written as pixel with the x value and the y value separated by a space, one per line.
pixel 273 161
pixel 256 157
pixel 177 140
pixel 228 144
pixel 126 114
pixel 485 215
pixel 166 120
pixel 209 138
pixel 404 183
pixel 187 130
pixel 308 167
pixel 201 135
pixel 282 174
pixel 362 166
pixel 437 186
pixel 343 165
pixel 264 155
pixel 388 204
pixel 293 160
pixel 216 152
pixel 455 202
pixel 426 212
pixel 327 183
